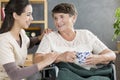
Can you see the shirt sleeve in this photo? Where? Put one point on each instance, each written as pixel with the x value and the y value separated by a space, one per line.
pixel 6 52
pixel 44 46
pixel 17 73
pixel 97 45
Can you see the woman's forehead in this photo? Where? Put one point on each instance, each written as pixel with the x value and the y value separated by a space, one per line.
pixel 28 8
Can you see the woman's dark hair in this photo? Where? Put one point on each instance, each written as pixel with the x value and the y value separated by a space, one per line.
pixel 12 6
pixel 66 8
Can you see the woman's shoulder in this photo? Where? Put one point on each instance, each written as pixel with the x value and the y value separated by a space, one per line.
pixel 83 31
pixel 53 33
pixel 5 37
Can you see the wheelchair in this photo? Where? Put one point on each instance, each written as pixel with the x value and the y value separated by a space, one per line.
pixel 51 72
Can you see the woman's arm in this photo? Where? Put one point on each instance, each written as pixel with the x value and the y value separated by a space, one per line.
pixel 68 56
pixel 17 73
pixel 38 57
pixel 34 40
pixel 107 55
pixel 104 57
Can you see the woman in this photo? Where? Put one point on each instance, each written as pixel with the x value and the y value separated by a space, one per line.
pixel 15 42
pixel 68 43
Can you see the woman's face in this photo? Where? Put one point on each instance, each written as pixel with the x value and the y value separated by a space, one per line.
pixel 63 21
pixel 25 18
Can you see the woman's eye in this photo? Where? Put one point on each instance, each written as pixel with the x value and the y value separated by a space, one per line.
pixel 62 16
pixel 29 14
pixel 55 18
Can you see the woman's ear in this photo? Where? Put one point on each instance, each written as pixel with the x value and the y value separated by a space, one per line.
pixel 15 16
pixel 74 18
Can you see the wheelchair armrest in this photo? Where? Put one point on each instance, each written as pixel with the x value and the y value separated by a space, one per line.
pixel 50 72
pixel 114 70
pixel 111 63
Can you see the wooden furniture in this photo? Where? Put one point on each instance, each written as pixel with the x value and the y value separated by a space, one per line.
pixel 117 65
pixel 44 21
pixel 29 60
pixel 117 52
pixel 33 29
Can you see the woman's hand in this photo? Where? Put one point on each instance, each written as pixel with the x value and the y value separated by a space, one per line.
pixel 46 31
pixel 93 59
pixel 50 58
pixel 47 60
pixel 66 57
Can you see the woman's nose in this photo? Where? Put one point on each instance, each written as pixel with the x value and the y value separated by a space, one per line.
pixel 31 18
pixel 59 20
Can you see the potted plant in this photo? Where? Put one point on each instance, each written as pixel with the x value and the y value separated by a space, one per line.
pixel 116 24
pixel 116 27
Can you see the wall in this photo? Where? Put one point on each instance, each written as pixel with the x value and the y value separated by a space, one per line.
pixel 95 15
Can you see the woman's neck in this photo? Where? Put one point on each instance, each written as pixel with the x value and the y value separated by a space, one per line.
pixel 15 31
pixel 69 35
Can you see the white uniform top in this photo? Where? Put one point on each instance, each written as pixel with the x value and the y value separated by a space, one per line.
pixel 10 51
pixel 83 41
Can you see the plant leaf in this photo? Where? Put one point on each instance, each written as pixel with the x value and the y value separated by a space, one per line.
pixel 117 13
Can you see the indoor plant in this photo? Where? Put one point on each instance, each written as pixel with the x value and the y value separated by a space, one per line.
pixel 116 27
pixel 116 24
